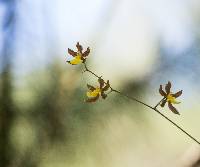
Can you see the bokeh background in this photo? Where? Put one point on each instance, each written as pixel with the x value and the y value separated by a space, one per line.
pixel 136 44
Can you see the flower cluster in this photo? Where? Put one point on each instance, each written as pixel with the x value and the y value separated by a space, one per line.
pixel 79 56
pixel 95 92
pixel 169 97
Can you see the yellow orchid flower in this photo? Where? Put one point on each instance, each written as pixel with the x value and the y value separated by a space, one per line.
pixel 169 97
pixel 95 92
pixel 79 56
pixel 76 60
pixel 172 99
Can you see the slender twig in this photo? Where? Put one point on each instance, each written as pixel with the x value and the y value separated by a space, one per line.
pixel 87 70
pixel 145 104
pixel 156 110
pixel 159 102
pixel 132 98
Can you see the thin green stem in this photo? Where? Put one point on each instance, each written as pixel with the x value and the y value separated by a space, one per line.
pixel 145 104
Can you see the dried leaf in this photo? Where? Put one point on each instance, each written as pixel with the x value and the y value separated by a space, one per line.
pixel 71 52
pixel 162 92
pixel 177 94
pixel 173 109
pixel 168 87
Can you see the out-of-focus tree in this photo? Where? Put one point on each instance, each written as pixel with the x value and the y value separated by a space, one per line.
pixel 7 109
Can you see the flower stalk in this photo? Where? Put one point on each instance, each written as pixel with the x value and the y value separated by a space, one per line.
pixel 95 92
pixel 145 104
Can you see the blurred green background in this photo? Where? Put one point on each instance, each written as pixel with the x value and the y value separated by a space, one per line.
pixel 136 44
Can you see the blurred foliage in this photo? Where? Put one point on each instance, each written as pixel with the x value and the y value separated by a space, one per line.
pixel 50 115
pixel 7 114
pixel 45 122
pixel 51 109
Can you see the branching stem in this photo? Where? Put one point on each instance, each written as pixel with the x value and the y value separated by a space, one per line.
pixel 86 69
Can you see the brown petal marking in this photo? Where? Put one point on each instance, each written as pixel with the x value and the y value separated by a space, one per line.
pixel 90 100
pixel 173 109
pixel 168 87
pixel 103 95
pixel 163 103
pixel 92 88
pixel 86 53
pixel 107 86
pixel 84 60
pixel 177 94
pixel 101 82
pixel 71 52
pixel 162 92
pixel 79 47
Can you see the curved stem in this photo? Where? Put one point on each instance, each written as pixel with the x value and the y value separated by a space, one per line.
pixel 145 104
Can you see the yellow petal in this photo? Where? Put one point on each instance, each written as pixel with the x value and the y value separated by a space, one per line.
pixel 93 93
pixel 76 60
pixel 175 102
pixel 172 99
pixel 89 94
